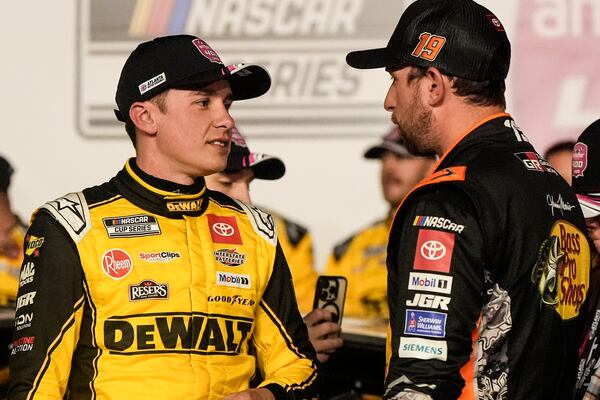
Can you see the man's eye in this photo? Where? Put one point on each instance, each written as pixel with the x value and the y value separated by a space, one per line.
pixel 203 102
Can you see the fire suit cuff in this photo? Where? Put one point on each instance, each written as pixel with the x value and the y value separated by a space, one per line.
pixel 278 391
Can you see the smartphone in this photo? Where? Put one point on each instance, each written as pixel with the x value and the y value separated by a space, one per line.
pixel 330 295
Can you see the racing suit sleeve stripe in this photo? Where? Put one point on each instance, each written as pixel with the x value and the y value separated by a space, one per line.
pixel 468 370
pixel 66 330
pixel 284 352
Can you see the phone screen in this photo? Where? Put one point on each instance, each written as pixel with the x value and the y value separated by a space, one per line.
pixel 330 295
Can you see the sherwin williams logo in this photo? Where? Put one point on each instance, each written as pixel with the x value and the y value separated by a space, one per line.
pixel 425 323
pixel 233 280
pixel 33 244
pixel 230 257
pixel 116 263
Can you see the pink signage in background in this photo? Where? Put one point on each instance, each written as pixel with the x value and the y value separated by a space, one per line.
pixel 555 71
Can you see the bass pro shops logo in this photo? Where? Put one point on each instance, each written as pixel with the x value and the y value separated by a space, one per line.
pixel 562 270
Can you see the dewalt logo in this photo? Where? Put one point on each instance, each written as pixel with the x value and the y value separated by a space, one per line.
pixel 197 333
pixel 182 206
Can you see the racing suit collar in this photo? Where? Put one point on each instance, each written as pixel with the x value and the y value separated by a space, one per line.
pixel 159 196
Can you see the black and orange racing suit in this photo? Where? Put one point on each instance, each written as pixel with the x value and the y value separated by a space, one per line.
pixel 488 275
pixel 135 291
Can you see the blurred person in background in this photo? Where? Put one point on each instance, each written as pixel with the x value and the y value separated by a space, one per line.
pixel 361 257
pixel 243 166
pixel 560 156
pixel 586 185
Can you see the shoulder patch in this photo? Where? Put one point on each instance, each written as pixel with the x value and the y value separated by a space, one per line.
pixel 72 212
pixel 262 222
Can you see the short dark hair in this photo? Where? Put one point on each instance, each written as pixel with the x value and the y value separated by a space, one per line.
pixel 160 101
pixel 558 147
pixel 484 93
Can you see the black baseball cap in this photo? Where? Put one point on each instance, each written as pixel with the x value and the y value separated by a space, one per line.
pixel 459 37
pixel 264 166
pixel 391 141
pixel 586 170
pixel 186 62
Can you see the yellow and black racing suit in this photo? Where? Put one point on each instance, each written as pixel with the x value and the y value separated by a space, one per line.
pixel 138 291
pixel 361 259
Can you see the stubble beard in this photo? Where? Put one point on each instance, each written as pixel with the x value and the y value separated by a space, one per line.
pixel 416 130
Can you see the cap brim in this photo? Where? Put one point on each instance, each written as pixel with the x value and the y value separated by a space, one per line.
pixel 372 58
pixel 266 166
pixel 377 151
pixel 248 81
pixel 590 205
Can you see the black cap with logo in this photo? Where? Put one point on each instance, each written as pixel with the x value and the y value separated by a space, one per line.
pixel 586 170
pixel 459 37
pixel 264 166
pixel 182 61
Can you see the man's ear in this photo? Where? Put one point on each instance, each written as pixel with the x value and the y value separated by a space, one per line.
pixel 142 115
pixel 437 87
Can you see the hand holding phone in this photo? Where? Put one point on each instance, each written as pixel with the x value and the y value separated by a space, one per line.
pixel 330 295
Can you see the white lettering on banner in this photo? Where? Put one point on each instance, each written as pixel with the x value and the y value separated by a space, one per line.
pixel 429 301
pixel 274 17
pixel 423 349
pixel 560 18
pixel 573 97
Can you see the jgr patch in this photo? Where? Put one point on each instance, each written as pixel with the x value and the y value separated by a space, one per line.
pixel 437 222
pixel 198 333
pixel 32 245
pixel 230 257
pixel 562 271
pixel 233 280
pixel 424 300
pixel 534 162
pixel 434 251
pixel 423 349
pixel 430 282
pixel 425 323
pixel 131 226
pixel 25 300
pixel 223 229
pixel 116 263
pixel 148 290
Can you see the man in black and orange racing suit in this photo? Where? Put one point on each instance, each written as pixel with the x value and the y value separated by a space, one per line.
pixel 145 287
pixel 488 263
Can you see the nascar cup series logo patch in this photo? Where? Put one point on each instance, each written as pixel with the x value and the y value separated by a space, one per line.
pixel 562 271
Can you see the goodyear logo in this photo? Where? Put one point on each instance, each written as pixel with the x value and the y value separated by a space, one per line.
pixel 197 333
pixel 183 206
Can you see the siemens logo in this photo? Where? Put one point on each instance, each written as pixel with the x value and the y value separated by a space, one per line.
pixel 423 349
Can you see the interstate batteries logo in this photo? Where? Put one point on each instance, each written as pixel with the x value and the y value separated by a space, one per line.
pixel 131 226
pixel 303 45
pixel 230 257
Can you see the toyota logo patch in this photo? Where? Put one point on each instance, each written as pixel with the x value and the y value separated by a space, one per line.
pixel 224 229
pixel 434 250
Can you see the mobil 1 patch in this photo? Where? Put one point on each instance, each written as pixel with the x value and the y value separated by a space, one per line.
pixel 131 226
